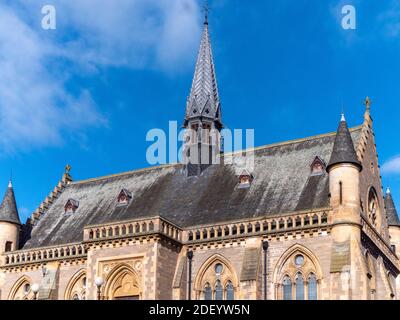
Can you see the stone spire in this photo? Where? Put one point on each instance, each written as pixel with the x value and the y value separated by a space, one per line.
pixel 203 101
pixel 343 148
pixel 391 212
pixel 8 208
pixel 203 122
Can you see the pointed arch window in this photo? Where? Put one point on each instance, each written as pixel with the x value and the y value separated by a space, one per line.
pixel 22 291
pixel 312 287
pixel 230 292
pixel 287 288
pixel 299 276
pixel 76 289
pixel 207 292
pixel 373 207
pixel 219 291
pixel 299 287
pixel 217 282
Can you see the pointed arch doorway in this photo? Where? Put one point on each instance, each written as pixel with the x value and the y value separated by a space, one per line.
pixel 123 284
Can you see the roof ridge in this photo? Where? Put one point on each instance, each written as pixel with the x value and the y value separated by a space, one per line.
pixel 79 182
pixel 288 142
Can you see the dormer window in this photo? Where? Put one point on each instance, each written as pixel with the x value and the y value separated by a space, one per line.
pixel 124 197
pixel 71 206
pixel 318 167
pixel 245 180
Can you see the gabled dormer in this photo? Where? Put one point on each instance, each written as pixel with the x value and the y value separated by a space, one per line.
pixel 245 179
pixel 318 167
pixel 71 206
pixel 124 197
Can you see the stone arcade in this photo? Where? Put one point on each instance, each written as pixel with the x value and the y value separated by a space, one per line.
pixel 317 202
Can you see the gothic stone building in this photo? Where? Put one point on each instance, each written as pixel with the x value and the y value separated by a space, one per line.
pixel 309 222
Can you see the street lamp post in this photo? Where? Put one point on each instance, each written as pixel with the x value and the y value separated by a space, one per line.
pixel 265 249
pixel 99 282
pixel 35 290
pixel 190 257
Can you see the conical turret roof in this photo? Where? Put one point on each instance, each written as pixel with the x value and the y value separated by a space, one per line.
pixel 391 212
pixel 8 208
pixel 343 148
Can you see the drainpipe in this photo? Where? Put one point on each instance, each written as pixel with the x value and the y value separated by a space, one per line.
pixel 190 257
pixel 265 249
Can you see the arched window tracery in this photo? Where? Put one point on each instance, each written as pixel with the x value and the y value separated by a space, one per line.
pixel 297 275
pixel 312 287
pixel 299 287
pixel 22 290
pixel 373 208
pixel 287 288
pixel 216 280
pixel 76 289
pixel 122 283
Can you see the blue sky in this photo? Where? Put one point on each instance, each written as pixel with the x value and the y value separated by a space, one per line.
pixel 88 92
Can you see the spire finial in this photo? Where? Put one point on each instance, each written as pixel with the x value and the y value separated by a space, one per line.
pixel 343 118
pixel 388 190
pixel 367 104
pixel 67 168
pixel 206 10
pixel 10 180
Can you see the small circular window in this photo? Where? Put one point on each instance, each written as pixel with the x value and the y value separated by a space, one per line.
pixel 299 260
pixel 218 268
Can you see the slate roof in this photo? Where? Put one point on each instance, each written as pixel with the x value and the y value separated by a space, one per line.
pixel 343 149
pixel 391 212
pixel 282 184
pixel 8 208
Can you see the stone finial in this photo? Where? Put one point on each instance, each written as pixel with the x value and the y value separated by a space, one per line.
pixel 387 190
pixel 66 178
pixel 367 104
pixel 67 168
pixel 343 118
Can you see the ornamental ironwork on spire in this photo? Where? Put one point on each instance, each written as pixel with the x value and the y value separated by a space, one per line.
pixel 204 101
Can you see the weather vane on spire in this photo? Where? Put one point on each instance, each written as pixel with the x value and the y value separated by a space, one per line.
pixel 367 103
pixel 10 181
pixel 67 169
pixel 206 10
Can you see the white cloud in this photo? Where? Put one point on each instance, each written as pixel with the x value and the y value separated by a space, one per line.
pixel 390 19
pixel 160 34
pixel 36 108
pixel 392 166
